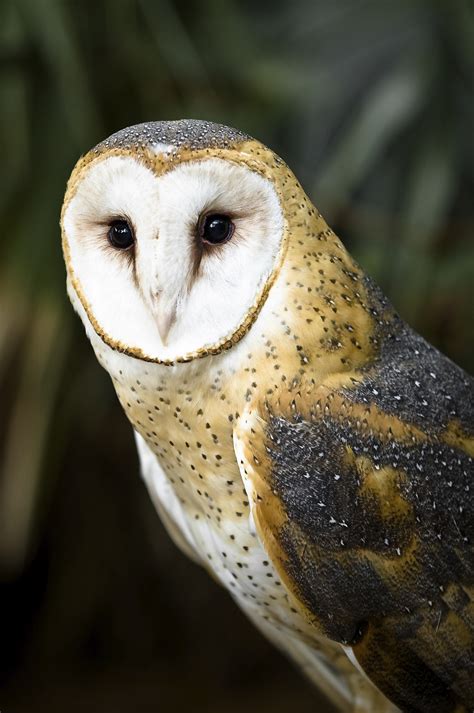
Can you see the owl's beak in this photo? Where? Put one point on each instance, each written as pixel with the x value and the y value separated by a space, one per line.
pixel 165 317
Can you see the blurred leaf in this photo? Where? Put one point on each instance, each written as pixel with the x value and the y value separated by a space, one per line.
pixel 386 111
pixel 48 23
pixel 42 360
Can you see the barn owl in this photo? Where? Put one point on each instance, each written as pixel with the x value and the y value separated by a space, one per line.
pixel 298 439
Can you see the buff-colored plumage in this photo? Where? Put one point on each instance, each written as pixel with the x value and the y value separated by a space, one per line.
pixel 316 457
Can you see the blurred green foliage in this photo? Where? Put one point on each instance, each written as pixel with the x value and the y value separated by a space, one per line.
pixel 371 104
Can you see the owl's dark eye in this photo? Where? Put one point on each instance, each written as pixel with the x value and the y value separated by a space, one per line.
pixel 216 229
pixel 120 235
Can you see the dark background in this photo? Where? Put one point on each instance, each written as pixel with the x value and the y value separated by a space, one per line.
pixel 370 103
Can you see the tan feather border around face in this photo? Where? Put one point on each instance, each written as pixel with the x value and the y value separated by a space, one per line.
pixel 252 154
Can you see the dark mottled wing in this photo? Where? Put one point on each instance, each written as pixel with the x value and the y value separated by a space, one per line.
pixel 362 496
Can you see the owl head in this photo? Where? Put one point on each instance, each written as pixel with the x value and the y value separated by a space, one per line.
pixel 173 234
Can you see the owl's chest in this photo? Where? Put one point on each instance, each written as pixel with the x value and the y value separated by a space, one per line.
pixel 219 527
pixel 199 485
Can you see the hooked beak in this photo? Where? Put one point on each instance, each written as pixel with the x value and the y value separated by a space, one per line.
pixel 165 315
